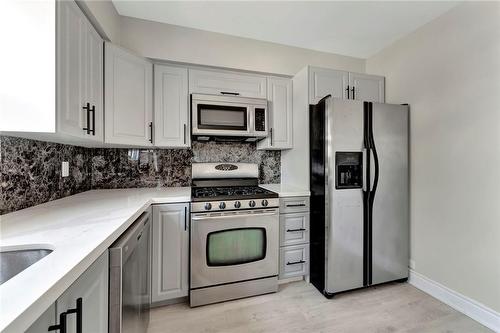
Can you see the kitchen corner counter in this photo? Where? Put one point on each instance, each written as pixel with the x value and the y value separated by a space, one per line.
pixel 78 229
pixel 286 190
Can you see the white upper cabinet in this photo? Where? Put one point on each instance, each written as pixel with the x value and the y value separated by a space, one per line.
pixel 79 75
pixel 128 92
pixel 227 83
pixel 279 93
pixel 171 107
pixel 323 82
pixel 364 87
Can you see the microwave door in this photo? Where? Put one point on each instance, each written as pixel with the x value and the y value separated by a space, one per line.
pixel 217 119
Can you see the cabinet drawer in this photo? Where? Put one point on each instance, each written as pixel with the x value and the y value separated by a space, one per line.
pixel 294 261
pixel 294 205
pixel 294 228
pixel 227 83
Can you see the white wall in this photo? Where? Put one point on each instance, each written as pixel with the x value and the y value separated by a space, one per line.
pixel 449 73
pixel 175 43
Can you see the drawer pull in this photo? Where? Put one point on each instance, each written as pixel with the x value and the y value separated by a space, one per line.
pixel 295 230
pixel 296 205
pixel 296 262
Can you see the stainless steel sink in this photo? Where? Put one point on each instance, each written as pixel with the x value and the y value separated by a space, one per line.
pixel 15 261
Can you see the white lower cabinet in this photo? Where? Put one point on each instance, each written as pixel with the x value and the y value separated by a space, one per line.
pixel 294 237
pixel 294 261
pixel 170 267
pixel 85 302
pixel 90 294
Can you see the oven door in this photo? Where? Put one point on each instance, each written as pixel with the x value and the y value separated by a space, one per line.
pixel 221 118
pixel 233 246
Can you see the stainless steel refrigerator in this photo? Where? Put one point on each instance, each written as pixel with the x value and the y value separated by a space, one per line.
pixel 359 194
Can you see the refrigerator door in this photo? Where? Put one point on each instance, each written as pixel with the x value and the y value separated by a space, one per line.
pixel 343 198
pixel 389 191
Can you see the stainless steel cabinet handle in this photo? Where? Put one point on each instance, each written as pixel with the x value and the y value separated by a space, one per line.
pixel 184 133
pixel 230 216
pixel 296 205
pixel 347 89
pixel 185 219
pixel 151 131
pixel 271 133
pixel 229 93
pixel 353 93
pixel 87 109
pixel 296 262
pixel 295 230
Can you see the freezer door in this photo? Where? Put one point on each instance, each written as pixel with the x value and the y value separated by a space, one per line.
pixel 390 221
pixel 343 204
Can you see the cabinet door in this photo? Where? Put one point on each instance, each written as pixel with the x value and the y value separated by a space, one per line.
pixel 294 228
pixel 171 107
pixel 71 69
pixel 294 261
pixel 48 318
pixel 128 98
pixel 92 288
pixel 279 92
pixel 323 82
pixel 94 87
pixel 370 88
pixel 227 83
pixel 170 252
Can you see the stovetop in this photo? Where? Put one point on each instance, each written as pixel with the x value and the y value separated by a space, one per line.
pixel 210 193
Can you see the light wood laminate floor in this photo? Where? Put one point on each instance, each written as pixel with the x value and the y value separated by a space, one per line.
pixel 299 307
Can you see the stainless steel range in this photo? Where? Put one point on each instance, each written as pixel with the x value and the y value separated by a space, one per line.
pixel 234 234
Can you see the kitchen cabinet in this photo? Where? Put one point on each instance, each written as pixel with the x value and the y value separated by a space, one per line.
pixel 279 94
pixel 171 107
pixel 128 92
pixel 294 237
pixel 85 301
pixel 227 83
pixel 79 75
pixel 92 289
pixel 170 266
pixel 364 87
pixel 344 85
pixel 47 319
pixel 323 82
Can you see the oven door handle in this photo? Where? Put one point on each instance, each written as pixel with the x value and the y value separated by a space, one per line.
pixel 217 217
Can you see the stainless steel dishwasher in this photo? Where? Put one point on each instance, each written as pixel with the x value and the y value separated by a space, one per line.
pixel 130 278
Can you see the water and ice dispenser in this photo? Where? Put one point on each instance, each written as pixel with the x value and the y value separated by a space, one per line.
pixel 349 170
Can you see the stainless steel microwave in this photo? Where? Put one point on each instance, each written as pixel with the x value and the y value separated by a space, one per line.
pixel 228 116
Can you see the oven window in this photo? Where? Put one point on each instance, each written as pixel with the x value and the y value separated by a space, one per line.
pixel 222 117
pixel 236 246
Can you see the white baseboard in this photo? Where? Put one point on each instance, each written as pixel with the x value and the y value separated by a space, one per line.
pixel 477 311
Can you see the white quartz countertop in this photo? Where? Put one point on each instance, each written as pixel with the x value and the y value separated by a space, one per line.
pixel 286 190
pixel 78 229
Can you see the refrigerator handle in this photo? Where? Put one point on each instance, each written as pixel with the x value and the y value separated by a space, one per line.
pixel 364 156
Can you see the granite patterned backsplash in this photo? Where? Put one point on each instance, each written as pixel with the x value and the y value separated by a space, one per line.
pixel 30 171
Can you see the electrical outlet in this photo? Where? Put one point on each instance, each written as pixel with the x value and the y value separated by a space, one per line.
pixel 412 264
pixel 65 169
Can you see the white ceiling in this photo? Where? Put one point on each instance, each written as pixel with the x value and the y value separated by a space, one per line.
pixel 358 29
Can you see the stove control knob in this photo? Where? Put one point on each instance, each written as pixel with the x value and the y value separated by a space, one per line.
pixel 265 203
pixel 222 205
pixel 251 203
pixel 208 206
pixel 237 204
